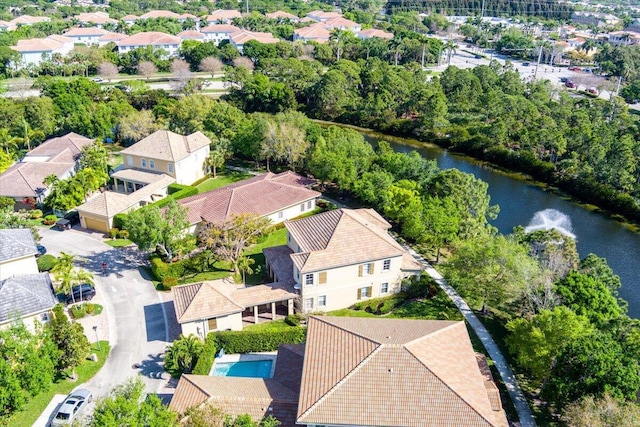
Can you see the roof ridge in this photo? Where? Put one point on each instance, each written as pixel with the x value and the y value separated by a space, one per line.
pixel 454 324
pixel 29 290
pixel 229 297
pixel 196 385
pixel 343 379
pixel 192 298
pixel 378 231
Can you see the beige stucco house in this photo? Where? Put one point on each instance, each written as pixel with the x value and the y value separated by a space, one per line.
pixel 17 252
pixel 150 166
pixel 340 257
pixel 363 372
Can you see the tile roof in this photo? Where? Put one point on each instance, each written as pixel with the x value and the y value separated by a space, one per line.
pixel 160 14
pixel 404 372
pixel 279 14
pixel 322 15
pixel 16 243
pixel 85 31
pixel 261 195
pixel 373 32
pixel 25 295
pixel 110 203
pixel 313 32
pixel 29 20
pixel 95 18
pixel 114 37
pixel 243 36
pixel 149 38
pixel 220 28
pixel 211 299
pixel 223 15
pixel 341 237
pixel 47 44
pixel 166 145
pixel 128 18
pixel 191 35
pixel 340 22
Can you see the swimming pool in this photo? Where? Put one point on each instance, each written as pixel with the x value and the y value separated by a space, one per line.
pixel 253 369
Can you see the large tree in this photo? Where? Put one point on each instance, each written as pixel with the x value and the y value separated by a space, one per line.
pixel 70 339
pixel 162 229
pixel 605 411
pixel 182 355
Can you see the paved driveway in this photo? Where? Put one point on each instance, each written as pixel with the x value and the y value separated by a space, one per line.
pixel 135 315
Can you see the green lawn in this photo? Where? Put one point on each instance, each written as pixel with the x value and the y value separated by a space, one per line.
pixel 224 178
pixel 118 243
pixel 86 371
pixel 276 325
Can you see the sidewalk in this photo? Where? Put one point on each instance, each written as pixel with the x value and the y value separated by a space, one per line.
pixel 510 381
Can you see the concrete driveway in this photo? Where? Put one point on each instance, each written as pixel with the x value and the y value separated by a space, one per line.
pixel 133 320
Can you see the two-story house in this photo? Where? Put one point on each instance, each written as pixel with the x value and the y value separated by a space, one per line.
pixel 222 16
pixel 149 167
pixel 88 36
pixel 218 32
pixel 340 257
pixel 35 51
pixel 157 40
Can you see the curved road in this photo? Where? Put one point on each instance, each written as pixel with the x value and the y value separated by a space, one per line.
pixel 133 310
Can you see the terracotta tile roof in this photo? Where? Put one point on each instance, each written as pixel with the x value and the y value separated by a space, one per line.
pixel 322 15
pixel 202 301
pixel 264 294
pixel 114 37
pixel 110 203
pixel 373 32
pixel 236 396
pixel 188 16
pixel 289 365
pixel 404 372
pixel 279 14
pixel 223 15
pixel 160 14
pixel 340 22
pixel 150 38
pixel 47 44
pixel 95 18
pixel 16 243
pixel 261 195
pixel 409 263
pixel 54 146
pixel 85 31
pixel 128 18
pixel 243 36
pixel 341 237
pixel 166 145
pixel 191 35
pixel 25 295
pixel 279 259
pixel 313 32
pixel 28 20
pixel 138 175
pixel 220 28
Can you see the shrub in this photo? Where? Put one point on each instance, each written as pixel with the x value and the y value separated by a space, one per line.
pixel 50 220
pixel 169 281
pixel 123 234
pixel 163 269
pixel 175 187
pixel 208 355
pixel 294 319
pixel 119 220
pixel 254 341
pixel 113 232
pixel 7 203
pixel 89 308
pixel 35 214
pixel 78 311
pixel 46 262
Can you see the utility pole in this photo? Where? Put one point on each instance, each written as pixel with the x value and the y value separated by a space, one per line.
pixel 482 11
pixel 618 86
pixel 246 2
pixel 535 73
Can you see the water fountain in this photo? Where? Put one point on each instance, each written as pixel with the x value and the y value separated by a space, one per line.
pixel 548 219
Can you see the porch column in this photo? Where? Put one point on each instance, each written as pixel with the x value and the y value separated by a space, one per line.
pixel 290 306
pixel 273 311
pixel 255 314
pixel 115 184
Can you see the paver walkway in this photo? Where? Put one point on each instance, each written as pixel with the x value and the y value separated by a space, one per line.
pixel 510 381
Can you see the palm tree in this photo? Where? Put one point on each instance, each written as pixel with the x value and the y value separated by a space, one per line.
pixel 29 134
pixel 336 37
pixel 215 160
pixel 244 265
pixel 450 47
pixel 182 356
pixel 7 141
pixel 67 276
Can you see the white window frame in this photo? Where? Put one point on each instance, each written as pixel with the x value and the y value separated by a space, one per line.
pixel 280 215
pixel 322 301
pixel 366 269
pixel 143 163
pixel 302 207
pixel 308 304
pixel 364 292
pixel 152 164
pixel 384 288
pixel 308 279
pixel 386 265
pixel 130 160
pixel 170 167
pixel 309 204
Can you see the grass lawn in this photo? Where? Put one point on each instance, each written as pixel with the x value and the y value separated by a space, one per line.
pixel 276 325
pixel 118 243
pixel 86 371
pixel 277 238
pixel 223 178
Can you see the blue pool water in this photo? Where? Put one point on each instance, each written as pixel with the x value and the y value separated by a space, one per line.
pixel 253 369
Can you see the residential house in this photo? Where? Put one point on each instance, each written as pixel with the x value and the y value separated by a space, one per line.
pixel 28 20
pixel 239 38
pixel 129 19
pixel 157 40
pixel 57 156
pixel 624 38
pixel 218 32
pixel 373 32
pixel 88 36
pixel 35 51
pixel 98 19
pixel 190 35
pixel 363 372
pixel 5 26
pixel 321 16
pixel 17 252
pixel 221 16
pixel 282 16
pixel 111 38
pixel 149 167
pixel 154 14
pixel 29 297
pixel 278 197
pixel 220 305
pixel 340 257
pixel 597 19
pixel 340 23
pixel 315 32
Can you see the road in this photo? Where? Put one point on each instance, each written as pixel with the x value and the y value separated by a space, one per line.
pixel 136 323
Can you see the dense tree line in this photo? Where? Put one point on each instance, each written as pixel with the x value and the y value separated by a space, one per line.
pixel 542 8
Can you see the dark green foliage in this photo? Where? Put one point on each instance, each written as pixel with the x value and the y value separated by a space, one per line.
pixel 163 269
pixel 118 220
pixel 46 262
pixel 422 287
pixel 169 282
pixel 69 338
pixel 207 356
pixel 588 297
pixel 293 319
pixel 182 355
pixel 552 10
pixel 249 341
pixel 381 305
pixel 175 187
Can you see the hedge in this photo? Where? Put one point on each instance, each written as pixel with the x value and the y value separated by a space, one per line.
pixel 250 341
pixel 163 270
pixel 208 355
pixel 118 220
pixel 46 262
pixel 175 187
pixel 175 193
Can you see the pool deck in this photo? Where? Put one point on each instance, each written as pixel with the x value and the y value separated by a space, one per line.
pixel 248 357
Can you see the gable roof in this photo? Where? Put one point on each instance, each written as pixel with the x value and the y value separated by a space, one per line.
pixel 316 31
pixel 166 145
pixel 16 243
pixel 220 28
pixel 160 14
pixel 47 44
pixel 242 36
pixel 112 37
pixel 340 22
pixel 341 237
pixel 149 38
pixel 29 20
pixel 95 18
pixel 280 14
pixel 374 32
pixel 25 295
pixel 260 195
pixel 405 372
pixel 85 31
pixel 223 15
pixel 191 35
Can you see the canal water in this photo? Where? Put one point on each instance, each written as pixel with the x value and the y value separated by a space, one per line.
pixel 519 201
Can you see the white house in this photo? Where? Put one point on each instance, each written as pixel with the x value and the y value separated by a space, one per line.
pixel 17 252
pixel 218 32
pixel 34 51
pixel 222 16
pixel 98 19
pixel 157 40
pixel 239 38
pixel 88 36
pixel 340 257
pixel 28 297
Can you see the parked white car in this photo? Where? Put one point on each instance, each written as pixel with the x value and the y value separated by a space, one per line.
pixel 72 407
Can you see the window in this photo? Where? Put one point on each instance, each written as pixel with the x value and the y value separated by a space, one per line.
pixel 308 279
pixel 364 292
pixel 152 164
pixel 322 301
pixel 365 269
pixel 170 167
pixel 308 304
pixel 212 324
pixel 143 162
pixel 309 204
pixel 302 207
pixel 322 277
pixel 384 288
pixel 280 215
pixel 130 160
pixel 386 264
